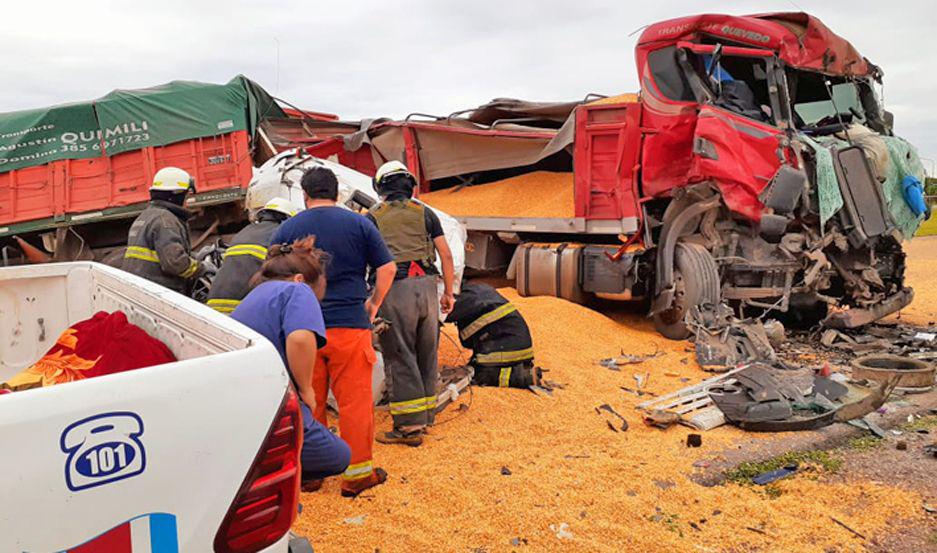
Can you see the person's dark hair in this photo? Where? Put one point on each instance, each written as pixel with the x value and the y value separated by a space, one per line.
pixel 320 183
pixel 284 261
pixel 177 198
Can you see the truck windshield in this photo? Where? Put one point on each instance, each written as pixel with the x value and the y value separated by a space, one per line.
pixel 845 98
pixel 813 105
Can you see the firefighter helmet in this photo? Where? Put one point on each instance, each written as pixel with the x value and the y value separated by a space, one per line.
pixel 390 168
pixel 280 205
pixel 172 179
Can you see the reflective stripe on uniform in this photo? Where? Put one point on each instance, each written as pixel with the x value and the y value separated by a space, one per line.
pixel 498 313
pixel 358 471
pixel 190 272
pixel 504 378
pixel 412 406
pixel 407 407
pixel 222 305
pixel 496 357
pixel 146 254
pixel 255 250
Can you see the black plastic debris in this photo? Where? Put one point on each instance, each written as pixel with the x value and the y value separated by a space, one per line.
pixel 622 424
pixel 694 440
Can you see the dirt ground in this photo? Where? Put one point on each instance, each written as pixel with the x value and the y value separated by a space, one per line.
pixel 574 484
pixel 909 468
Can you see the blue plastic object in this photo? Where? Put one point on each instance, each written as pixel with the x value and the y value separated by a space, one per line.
pixel 914 195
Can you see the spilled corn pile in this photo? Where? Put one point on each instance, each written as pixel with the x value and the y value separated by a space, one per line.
pixel 572 483
pixel 537 194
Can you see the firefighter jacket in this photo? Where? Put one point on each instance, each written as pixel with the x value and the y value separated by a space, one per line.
pixel 241 260
pixel 491 327
pixel 158 246
pixel 402 224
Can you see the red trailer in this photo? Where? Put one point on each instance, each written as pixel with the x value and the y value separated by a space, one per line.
pixel 72 177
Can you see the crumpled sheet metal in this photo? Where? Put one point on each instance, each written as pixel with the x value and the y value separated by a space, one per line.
pixel 723 341
pixel 760 401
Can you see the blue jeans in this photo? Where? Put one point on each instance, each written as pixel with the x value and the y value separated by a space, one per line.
pixel 323 454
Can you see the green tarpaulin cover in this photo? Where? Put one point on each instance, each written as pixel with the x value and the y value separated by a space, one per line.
pixel 126 120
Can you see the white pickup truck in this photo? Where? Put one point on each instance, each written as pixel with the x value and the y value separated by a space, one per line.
pixel 197 455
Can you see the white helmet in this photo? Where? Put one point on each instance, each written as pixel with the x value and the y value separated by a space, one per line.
pixel 172 179
pixel 281 205
pixel 392 167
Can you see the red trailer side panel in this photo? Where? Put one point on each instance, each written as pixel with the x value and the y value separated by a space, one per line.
pixel 76 186
pixel 607 148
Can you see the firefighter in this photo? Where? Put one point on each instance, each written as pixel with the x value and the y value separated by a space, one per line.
pixel 246 254
pixel 158 247
pixel 414 236
pixel 502 349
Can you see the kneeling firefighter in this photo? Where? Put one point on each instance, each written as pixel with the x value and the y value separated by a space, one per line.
pixel 498 336
pixel 246 254
pixel 413 235
pixel 158 247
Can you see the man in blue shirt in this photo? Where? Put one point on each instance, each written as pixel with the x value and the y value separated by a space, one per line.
pixel 345 364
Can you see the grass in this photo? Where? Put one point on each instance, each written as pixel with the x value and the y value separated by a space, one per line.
pixel 863 443
pixel 927 228
pixel 923 423
pixel 669 520
pixel 744 473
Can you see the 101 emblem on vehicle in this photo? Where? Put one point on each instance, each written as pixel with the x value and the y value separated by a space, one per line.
pixel 102 449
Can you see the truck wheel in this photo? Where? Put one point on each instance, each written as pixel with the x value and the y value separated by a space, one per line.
pixel 696 282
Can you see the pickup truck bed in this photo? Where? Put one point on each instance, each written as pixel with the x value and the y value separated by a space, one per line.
pixel 157 455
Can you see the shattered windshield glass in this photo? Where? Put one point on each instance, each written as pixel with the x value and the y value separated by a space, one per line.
pixel 845 98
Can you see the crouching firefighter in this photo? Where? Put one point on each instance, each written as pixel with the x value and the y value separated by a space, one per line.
pixel 246 254
pixel 413 235
pixel 491 327
pixel 158 247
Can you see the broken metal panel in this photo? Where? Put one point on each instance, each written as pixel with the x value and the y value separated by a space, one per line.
pixel 864 216
pixel 853 318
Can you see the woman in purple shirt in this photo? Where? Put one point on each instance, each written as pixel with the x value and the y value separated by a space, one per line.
pixel 283 306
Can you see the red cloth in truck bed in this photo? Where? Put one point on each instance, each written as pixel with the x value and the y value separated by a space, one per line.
pixel 104 344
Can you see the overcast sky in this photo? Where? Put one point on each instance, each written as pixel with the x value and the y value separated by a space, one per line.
pixel 366 58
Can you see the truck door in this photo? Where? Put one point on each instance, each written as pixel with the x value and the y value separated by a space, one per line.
pixel 739 142
pixel 739 154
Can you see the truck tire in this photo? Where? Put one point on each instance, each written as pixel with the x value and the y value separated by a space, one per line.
pixel 696 279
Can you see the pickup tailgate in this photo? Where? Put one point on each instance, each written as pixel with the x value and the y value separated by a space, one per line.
pixel 152 457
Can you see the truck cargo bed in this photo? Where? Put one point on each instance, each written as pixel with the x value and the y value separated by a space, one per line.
pixel 180 437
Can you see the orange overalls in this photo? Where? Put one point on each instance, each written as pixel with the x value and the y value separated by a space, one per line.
pixel 346 363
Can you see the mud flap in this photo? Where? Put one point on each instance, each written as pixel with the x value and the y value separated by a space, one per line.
pixel 854 318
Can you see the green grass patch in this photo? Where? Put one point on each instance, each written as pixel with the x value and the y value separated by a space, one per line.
pixel 923 423
pixel 743 473
pixel 933 538
pixel 669 520
pixel 863 443
pixel 927 228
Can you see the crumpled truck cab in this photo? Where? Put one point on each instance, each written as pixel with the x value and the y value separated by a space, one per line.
pixel 767 154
